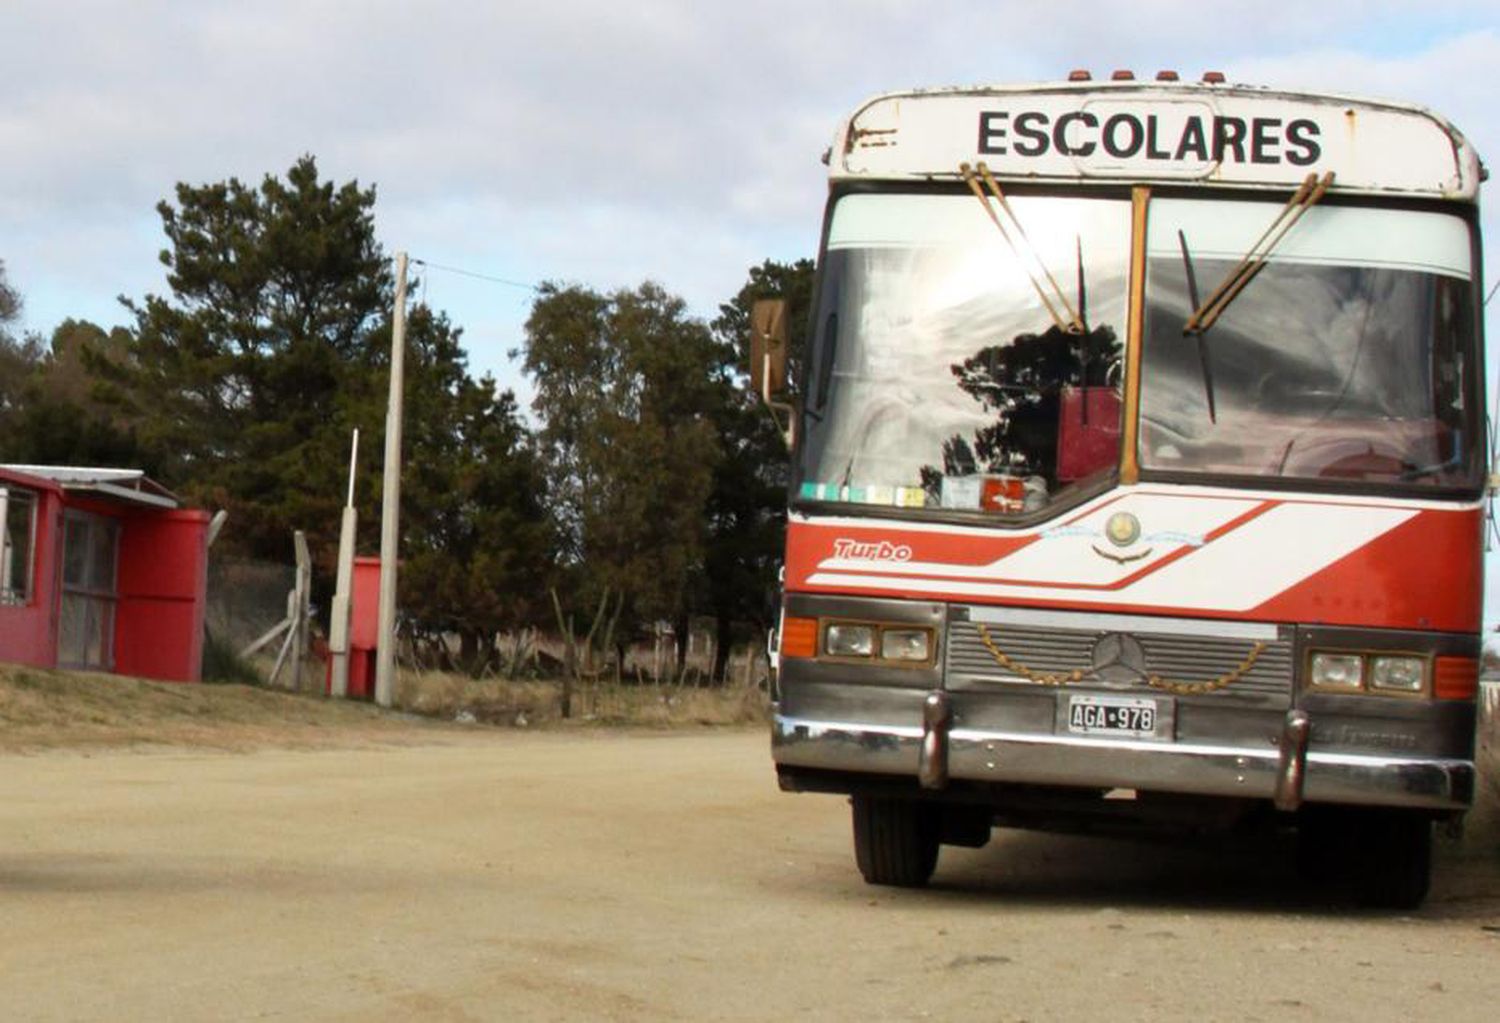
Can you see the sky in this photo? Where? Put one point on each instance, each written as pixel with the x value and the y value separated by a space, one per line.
pixel 583 141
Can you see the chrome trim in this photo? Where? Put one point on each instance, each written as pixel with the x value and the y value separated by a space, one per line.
pixel 932 760
pixel 1292 768
pixel 1144 624
pixel 1435 783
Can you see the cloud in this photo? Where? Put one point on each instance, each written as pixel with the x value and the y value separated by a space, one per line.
pixel 581 139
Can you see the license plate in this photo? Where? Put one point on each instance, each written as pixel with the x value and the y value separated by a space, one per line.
pixel 1128 716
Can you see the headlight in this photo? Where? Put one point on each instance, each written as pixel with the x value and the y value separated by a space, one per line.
pixel 1337 671
pixel 842 640
pixel 1399 674
pixel 905 644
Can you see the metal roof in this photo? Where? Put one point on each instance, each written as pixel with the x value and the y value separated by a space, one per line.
pixel 129 486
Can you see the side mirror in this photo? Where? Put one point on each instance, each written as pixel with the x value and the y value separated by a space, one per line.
pixel 768 347
pixel 768 343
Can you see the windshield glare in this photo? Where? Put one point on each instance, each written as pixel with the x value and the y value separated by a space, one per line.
pixel 1345 358
pixel 940 380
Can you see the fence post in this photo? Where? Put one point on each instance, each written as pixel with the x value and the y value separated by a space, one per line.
pixel 301 609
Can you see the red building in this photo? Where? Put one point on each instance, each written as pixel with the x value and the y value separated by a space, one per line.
pixel 100 569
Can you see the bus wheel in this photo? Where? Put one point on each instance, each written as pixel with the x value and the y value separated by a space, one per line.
pixel 1395 869
pixel 1325 846
pixel 895 840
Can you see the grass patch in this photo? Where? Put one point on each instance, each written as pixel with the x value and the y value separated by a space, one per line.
pixel 42 709
pixel 532 703
pixel 222 663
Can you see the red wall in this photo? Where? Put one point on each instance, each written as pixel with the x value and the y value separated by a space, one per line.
pixel 364 604
pixel 28 633
pixel 163 588
pixel 364 626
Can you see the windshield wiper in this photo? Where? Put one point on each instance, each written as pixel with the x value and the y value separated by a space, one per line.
pixel 1073 324
pixel 1192 283
pixel 1308 193
pixel 1456 461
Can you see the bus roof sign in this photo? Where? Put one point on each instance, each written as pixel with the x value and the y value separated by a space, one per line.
pixel 1189 133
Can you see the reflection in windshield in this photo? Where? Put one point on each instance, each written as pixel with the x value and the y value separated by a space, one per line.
pixel 1038 430
pixel 946 384
pixel 1348 360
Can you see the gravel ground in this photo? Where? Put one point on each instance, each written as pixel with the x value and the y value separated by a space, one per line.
pixel 629 876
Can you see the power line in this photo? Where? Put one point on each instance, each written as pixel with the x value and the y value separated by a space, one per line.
pixel 475 275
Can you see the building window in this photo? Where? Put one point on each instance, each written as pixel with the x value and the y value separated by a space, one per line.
pixel 17 544
pixel 90 549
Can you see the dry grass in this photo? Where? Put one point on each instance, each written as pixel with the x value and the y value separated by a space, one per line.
pixel 42 709
pixel 539 703
pixel 46 709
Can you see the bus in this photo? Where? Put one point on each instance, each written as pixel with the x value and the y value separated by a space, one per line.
pixel 1138 474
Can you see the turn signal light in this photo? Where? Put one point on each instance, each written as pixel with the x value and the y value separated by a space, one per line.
pixel 1455 678
pixel 799 637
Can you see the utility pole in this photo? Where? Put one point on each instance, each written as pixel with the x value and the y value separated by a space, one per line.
pixel 338 626
pixel 390 501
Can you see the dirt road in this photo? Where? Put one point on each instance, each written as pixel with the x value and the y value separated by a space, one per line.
pixel 604 876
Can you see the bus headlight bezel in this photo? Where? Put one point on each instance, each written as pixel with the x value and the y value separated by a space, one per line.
pixel 907 645
pixel 849 639
pixel 1336 671
pixel 1395 673
pixel 1398 673
pixel 896 644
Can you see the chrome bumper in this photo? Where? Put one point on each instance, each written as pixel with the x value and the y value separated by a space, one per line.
pixel 1289 775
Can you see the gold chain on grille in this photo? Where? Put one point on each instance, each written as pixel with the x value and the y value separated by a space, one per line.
pixel 1063 678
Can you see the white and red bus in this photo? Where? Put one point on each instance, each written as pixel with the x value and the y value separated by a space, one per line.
pixel 1139 473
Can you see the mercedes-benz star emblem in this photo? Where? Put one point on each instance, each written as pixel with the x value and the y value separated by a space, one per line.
pixel 1118 658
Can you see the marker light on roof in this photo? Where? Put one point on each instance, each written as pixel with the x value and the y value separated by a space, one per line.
pixel 1122 76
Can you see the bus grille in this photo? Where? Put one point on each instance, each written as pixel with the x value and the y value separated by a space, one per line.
pixel 1058 652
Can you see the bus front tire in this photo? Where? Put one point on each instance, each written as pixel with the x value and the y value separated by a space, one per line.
pixel 1397 870
pixel 1384 856
pixel 895 840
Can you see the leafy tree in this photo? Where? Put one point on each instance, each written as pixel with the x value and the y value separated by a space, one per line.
pixel 479 540
pixel 51 409
pixel 243 378
pixel 10 303
pixel 625 390
pixel 273 344
pixel 17 359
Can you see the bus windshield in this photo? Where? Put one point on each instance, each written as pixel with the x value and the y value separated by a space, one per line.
pixel 1350 356
pixel 939 379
